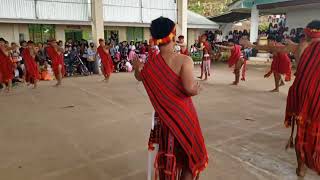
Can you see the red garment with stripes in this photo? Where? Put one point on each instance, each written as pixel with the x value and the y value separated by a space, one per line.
pixel 57 59
pixel 106 61
pixel 32 71
pixel 6 68
pixel 303 106
pixel 282 64
pixel 176 110
pixel 235 55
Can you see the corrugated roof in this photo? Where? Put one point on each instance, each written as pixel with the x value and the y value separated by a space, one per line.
pixel 198 21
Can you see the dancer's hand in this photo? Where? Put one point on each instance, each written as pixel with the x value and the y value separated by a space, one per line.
pixel 137 64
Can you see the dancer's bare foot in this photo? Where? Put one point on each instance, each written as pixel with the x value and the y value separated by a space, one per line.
pixel 274 90
pixel 106 80
pixel 234 83
pixel 200 77
pixel 58 84
pixel 243 79
pixel 281 83
pixel 301 171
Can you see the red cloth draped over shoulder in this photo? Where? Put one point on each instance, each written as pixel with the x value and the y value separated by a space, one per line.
pixel 176 110
pixel 57 59
pixel 235 55
pixel 6 68
pixel 106 61
pixel 32 71
pixel 282 64
pixel 303 106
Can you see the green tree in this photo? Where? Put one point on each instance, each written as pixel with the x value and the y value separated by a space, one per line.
pixel 209 7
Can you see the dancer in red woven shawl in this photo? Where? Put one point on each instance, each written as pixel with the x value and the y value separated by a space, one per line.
pixel 169 82
pixel 303 104
pixel 6 66
pixel 56 56
pixel 106 60
pixel 205 47
pixel 31 67
pixel 236 59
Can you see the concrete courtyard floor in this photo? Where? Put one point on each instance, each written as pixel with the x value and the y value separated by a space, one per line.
pixel 90 130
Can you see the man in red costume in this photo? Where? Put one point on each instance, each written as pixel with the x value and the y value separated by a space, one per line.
pixel 281 63
pixel 205 47
pixel 236 59
pixel 303 103
pixel 106 60
pixel 169 82
pixel 31 67
pixel 183 46
pixel 56 56
pixel 6 66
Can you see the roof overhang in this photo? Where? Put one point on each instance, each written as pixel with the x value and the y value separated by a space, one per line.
pixel 285 4
pixel 202 26
pixel 232 16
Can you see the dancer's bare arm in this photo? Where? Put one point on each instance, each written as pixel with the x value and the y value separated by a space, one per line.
pixel 225 47
pixel 191 86
pixel 138 66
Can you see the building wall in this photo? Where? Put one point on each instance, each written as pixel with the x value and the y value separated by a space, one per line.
pixel 138 11
pixel 193 34
pixel 300 17
pixel 10 32
pixel 147 34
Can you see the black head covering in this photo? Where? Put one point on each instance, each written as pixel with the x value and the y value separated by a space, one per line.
pixel 161 27
pixel 314 24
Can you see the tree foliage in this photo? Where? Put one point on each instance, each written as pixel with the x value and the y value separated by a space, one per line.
pixel 209 7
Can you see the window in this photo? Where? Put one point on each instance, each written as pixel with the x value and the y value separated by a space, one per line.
pixel 111 36
pixel 75 35
pixel 41 32
pixel 135 34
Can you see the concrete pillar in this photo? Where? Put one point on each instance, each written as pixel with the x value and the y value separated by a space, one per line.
pixel 182 25
pixel 97 21
pixel 60 34
pixel 254 24
pixel 16 33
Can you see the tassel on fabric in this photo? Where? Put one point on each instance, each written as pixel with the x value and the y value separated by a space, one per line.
pixel 290 143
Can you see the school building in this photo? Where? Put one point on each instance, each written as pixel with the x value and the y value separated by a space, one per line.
pixel 39 20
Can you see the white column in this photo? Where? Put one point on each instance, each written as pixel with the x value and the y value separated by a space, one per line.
pixel 97 20
pixel 254 24
pixel 182 27
pixel 16 33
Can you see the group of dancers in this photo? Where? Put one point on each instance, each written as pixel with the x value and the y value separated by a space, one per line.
pixel 169 82
pixel 31 73
pixel 168 79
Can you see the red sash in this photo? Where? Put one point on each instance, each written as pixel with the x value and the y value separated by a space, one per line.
pixel 235 55
pixel 32 72
pixel 6 68
pixel 57 59
pixel 282 64
pixel 106 61
pixel 176 110
pixel 303 106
